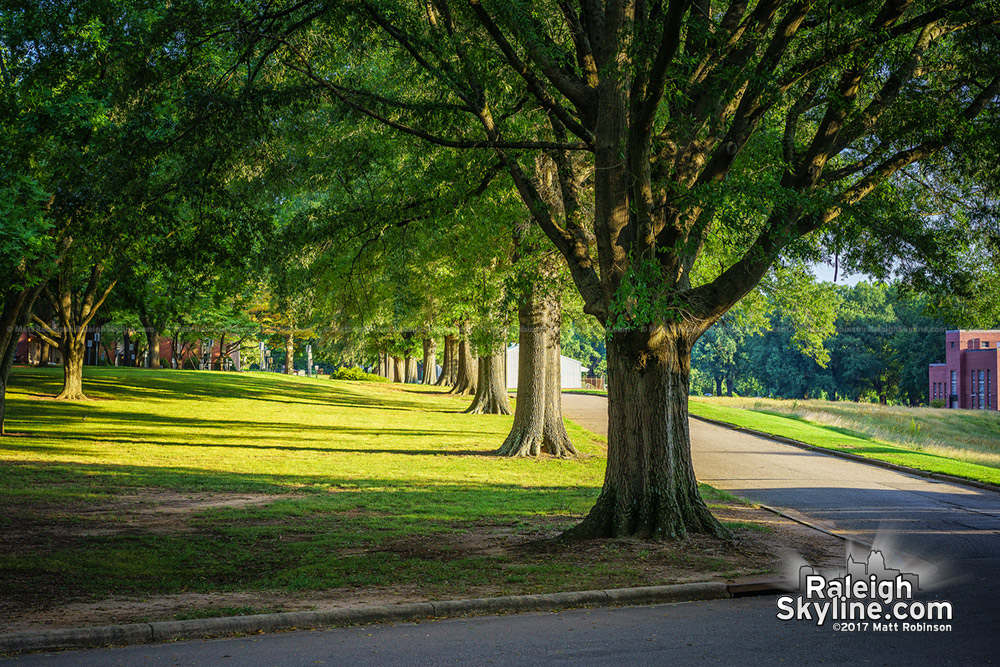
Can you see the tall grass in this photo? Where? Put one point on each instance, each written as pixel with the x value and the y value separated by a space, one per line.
pixel 964 435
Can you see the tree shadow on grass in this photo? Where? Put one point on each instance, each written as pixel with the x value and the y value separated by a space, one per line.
pixel 105 439
pixel 145 384
pixel 321 531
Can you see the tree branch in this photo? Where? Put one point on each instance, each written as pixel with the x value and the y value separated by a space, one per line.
pixel 535 86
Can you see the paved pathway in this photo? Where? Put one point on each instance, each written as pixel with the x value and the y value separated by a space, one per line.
pixel 930 519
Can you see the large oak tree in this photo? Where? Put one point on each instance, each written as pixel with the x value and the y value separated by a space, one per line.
pixel 755 124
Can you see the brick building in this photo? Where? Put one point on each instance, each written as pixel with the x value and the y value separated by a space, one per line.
pixel 103 352
pixel 968 378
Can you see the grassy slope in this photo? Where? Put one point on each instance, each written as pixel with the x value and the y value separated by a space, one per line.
pixel 356 470
pixel 396 462
pixel 905 436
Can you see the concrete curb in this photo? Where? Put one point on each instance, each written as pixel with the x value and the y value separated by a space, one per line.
pixel 145 633
pixel 937 476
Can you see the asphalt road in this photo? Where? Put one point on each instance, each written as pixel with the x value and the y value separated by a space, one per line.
pixel 935 521
pixel 947 532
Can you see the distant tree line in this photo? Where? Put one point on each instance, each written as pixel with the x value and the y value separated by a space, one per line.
pixel 883 339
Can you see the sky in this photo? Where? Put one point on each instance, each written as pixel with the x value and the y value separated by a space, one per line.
pixel 824 273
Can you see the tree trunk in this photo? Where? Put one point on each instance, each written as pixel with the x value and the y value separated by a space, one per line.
pixel 7 351
pixel 43 354
pixel 718 385
pixel 453 371
pixel 411 369
pixel 289 353
pixel 446 379
pixel 5 364
pixel 430 361
pixel 153 341
pixel 127 360
pixel 175 353
pixel 556 441
pixel 730 381
pixel 491 391
pixel 649 489
pixel 211 354
pixel 538 426
pixel 382 368
pixel 467 377
pixel 398 370
pixel 72 348
pixel 14 314
pixel 75 313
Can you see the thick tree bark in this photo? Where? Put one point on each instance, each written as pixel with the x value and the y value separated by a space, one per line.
pixel 72 348
pixel 491 391
pixel 556 441
pixel 649 490
pixel 152 338
pixel 153 341
pixel 43 354
pixel 467 376
pixel 411 369
pixel 447 377
pixel 538 426
pixel 453 354
pixel 381 367
pixel 398 370
pixel 430 361
pixel 289 353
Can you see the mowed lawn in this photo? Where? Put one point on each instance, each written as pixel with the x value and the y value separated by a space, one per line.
pixel 172 482
pixel 965 443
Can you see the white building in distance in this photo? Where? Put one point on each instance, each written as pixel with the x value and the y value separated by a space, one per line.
pixel 571 370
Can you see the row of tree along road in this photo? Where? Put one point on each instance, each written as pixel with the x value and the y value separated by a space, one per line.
pixel 367 169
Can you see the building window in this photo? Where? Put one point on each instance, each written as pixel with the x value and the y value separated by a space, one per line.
pixel 972 391
pixel 989 392
pixel 954 383
pixel 982 389
pixel 953 345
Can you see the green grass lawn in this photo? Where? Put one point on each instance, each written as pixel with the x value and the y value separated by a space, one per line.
pixel 184 481
pixel 954 442
pixel 587 392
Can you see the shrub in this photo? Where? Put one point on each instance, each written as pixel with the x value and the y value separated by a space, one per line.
pixel 937 403
pixel 356 373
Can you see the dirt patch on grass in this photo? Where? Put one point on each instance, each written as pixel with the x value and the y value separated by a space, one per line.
pixel 520 556
pixel 157 511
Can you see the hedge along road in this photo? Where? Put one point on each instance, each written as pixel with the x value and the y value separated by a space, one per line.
pixel 954 527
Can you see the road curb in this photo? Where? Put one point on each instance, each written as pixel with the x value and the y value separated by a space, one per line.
pixel 146 633
pixel 937 476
